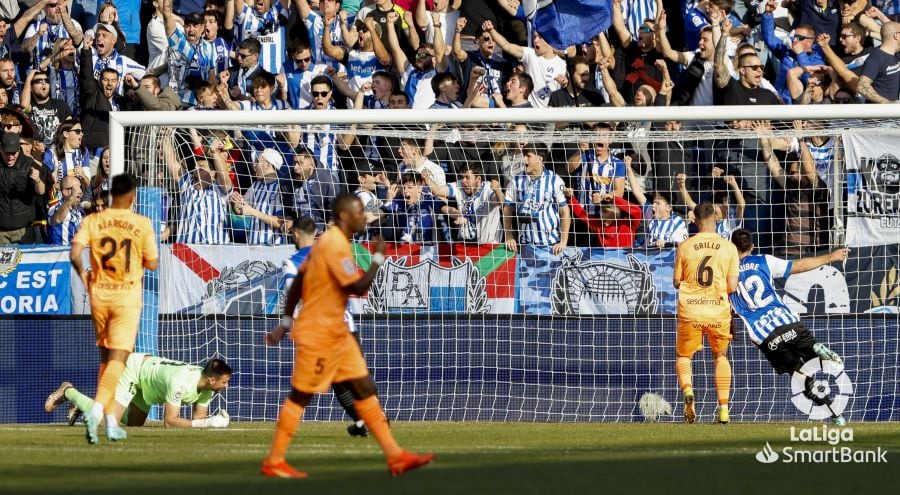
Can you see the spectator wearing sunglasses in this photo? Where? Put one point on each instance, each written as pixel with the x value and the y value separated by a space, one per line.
pixel 496 68
pixel 429 60
pixel 248 60
pixel 800 49
pixel 46 112
pixel 299 70
pixel 747 88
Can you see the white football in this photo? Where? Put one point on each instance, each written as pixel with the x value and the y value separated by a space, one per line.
pixel 653 406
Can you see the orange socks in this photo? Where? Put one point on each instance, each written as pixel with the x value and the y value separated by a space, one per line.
pixel 288 420
pixel 723 379
pixel 683 368
pixel 100 374
pixel 108 382
pixel 370 411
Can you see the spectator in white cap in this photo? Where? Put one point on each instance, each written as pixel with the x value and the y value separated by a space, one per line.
pixel 263 202
pixel 272 157
pixel 105 56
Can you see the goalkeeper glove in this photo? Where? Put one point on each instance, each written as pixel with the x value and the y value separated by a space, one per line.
pixel 220 420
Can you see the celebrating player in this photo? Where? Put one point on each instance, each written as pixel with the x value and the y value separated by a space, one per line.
pixel 774 327
pixel 706 271
pixel 149 380
pixel 324 351
pixel 303 232
pixel 121 245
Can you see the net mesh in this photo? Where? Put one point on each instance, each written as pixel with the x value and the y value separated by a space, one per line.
pixel 458 325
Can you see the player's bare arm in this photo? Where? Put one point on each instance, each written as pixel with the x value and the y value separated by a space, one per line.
pixel 807 264
pixel 75 258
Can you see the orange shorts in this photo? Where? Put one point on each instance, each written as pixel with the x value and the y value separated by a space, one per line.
pixel 320 362
pixel 690 336
pixel 116 326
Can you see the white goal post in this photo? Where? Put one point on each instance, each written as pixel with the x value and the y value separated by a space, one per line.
pixel 535 336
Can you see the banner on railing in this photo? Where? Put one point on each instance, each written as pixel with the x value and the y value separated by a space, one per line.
pixel 35 281
pixel 462 279
pixel 489 279
pixel 207 279
pixel 873 189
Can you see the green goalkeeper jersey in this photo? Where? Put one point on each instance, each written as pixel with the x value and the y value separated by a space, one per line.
pixel 168 381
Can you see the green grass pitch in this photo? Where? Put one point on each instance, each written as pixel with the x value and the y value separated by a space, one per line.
pixel 472 458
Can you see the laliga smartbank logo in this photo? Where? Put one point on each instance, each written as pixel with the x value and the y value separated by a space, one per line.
pixel 821 390
pixel 832 448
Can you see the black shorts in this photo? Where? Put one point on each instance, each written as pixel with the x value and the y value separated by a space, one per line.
pixel 788 347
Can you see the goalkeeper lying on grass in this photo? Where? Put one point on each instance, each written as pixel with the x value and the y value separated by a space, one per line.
pixel 149 380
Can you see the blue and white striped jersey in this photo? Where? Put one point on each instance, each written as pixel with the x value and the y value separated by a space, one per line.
pixel 291 267
pixel 540 200
pixel 322 143
pixel 203 213
pixel 65 165
pixel 268 30
pixel 445 106
pixel 298 83
pixel 824 158
pixel 265 197
pixel 64 85
pixel 360 68
pixel 480 211
pixel 315 26
pixel 597 176
pixel 61 234
pixel 756 301
pixel 252 105
pixel 45 42
pixel 187 60
pixel 242 79
pixel 671 230
pixel 121 64
pixel 222 51
pixel 725 227
pixel 418 82
pixel 635 12
pixel 416 223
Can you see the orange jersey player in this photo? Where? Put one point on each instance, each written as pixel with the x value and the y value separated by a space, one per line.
pixel 325 352
pixel 121 245
pixel 706 271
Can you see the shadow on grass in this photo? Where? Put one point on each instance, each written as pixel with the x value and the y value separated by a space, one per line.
pixel 524 472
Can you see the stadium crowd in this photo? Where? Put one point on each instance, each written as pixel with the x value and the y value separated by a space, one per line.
pixel 65 64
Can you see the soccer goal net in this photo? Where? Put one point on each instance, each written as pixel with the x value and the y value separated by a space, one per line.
pixel 530 252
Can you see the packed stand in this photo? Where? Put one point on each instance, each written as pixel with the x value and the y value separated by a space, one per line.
pixel 65 65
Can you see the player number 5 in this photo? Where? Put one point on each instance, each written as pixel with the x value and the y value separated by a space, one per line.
pixel 320 365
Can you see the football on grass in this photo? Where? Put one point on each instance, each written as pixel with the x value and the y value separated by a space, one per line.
pixel 653 406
